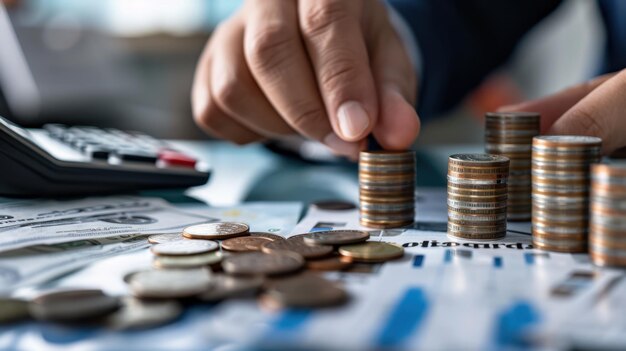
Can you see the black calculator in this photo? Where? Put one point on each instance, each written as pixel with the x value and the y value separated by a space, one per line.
pixel 60 160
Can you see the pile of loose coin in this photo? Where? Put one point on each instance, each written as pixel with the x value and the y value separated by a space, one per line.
pixel 607 229
pixel 195 268
pixel 252 262
pixel 560 191
pixel 511 134
pixel 477 196
pixel 386 188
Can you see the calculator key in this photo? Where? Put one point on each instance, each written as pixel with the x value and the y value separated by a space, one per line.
pixel 176 158
pixel 97 152
pixel 136 156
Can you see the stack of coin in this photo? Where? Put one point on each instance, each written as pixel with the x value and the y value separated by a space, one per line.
pixel 511 134
pixel 607 229
pixel 386 188
pixel 477 196
pixel 560 190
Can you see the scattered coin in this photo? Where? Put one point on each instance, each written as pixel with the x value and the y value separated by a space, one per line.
pixel 12 310
pixel 244 243
pixel 332 263
pixel 297 245
pixel 372 251
pixel 306 291
pixel 192 261
pixel 142 314
pixel 73 305
pixel 184 247
pixel 258 263
pixel 216 230
pixel 334 205
pixel 164 238
pixel 272 237
pixel 227 286
pixel 336 237
pixel 170 284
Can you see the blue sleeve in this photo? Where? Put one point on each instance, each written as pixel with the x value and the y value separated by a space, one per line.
pixel 462 41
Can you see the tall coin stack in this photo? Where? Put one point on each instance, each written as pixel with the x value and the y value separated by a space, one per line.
pixel 477 196
pixel 511 134
pixel 560 182
pixel 607 229
pixel 386 188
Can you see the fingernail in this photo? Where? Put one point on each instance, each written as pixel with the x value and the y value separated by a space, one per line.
pixel 353 120
pixel 341 146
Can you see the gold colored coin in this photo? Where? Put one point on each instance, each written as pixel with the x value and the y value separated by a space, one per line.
pixel 297 245
pixel 217 230
pixel 244 243
pixel 372 251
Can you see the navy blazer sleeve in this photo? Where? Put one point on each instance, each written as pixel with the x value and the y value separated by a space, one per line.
pixel 462 41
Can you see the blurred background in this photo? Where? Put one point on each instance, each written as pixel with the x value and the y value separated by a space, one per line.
pixel 129 64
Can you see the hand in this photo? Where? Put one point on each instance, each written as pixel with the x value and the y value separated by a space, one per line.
pixel 593 108
pixel 330 70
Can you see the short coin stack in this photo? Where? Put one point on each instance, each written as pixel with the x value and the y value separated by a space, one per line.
pixel 511 134
pixel 386 188
pixel 607 229
pixel 560 190
pixel 477 196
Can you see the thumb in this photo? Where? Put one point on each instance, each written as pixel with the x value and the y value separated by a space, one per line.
pixel 554 106
pixel 398 124
pixel 599 113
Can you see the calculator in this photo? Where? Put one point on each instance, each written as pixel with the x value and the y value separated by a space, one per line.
pixel 59 160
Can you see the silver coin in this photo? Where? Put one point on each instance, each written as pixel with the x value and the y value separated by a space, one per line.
pixel 560 188
pixel 559 200
pixel 476 229
pixel 387 156
pixel 476 205
pixel 571 139
pixel 387 168
pixel 184 247
pixel 469 181
pixel 563 243
pixel 476 218
pixel 491 147
pixel 393 218
pixel 306 291
pixel 487 159
pixel 513 117
pixel 258 263
pixel 336 237
pixel 607 251
pixel 560 230
pixel 142 314
pixel 12 310
pixel 227 286
pixel 609 222
pixel 181 262
pixel 73 305
pixel 170 284
pixel 165 238
pixel 389 207
pixel 330 205
pixel 216 230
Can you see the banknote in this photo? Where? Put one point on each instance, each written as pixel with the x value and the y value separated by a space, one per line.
pixel 40 263
pixel 33 265
pixel 130 221
pixel 20 213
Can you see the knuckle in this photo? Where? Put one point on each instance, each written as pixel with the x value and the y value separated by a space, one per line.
pixel 308 118
pixel 228 92
pixel 323 16
pixel 270 46
pixel 588 123
pixel 338 72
